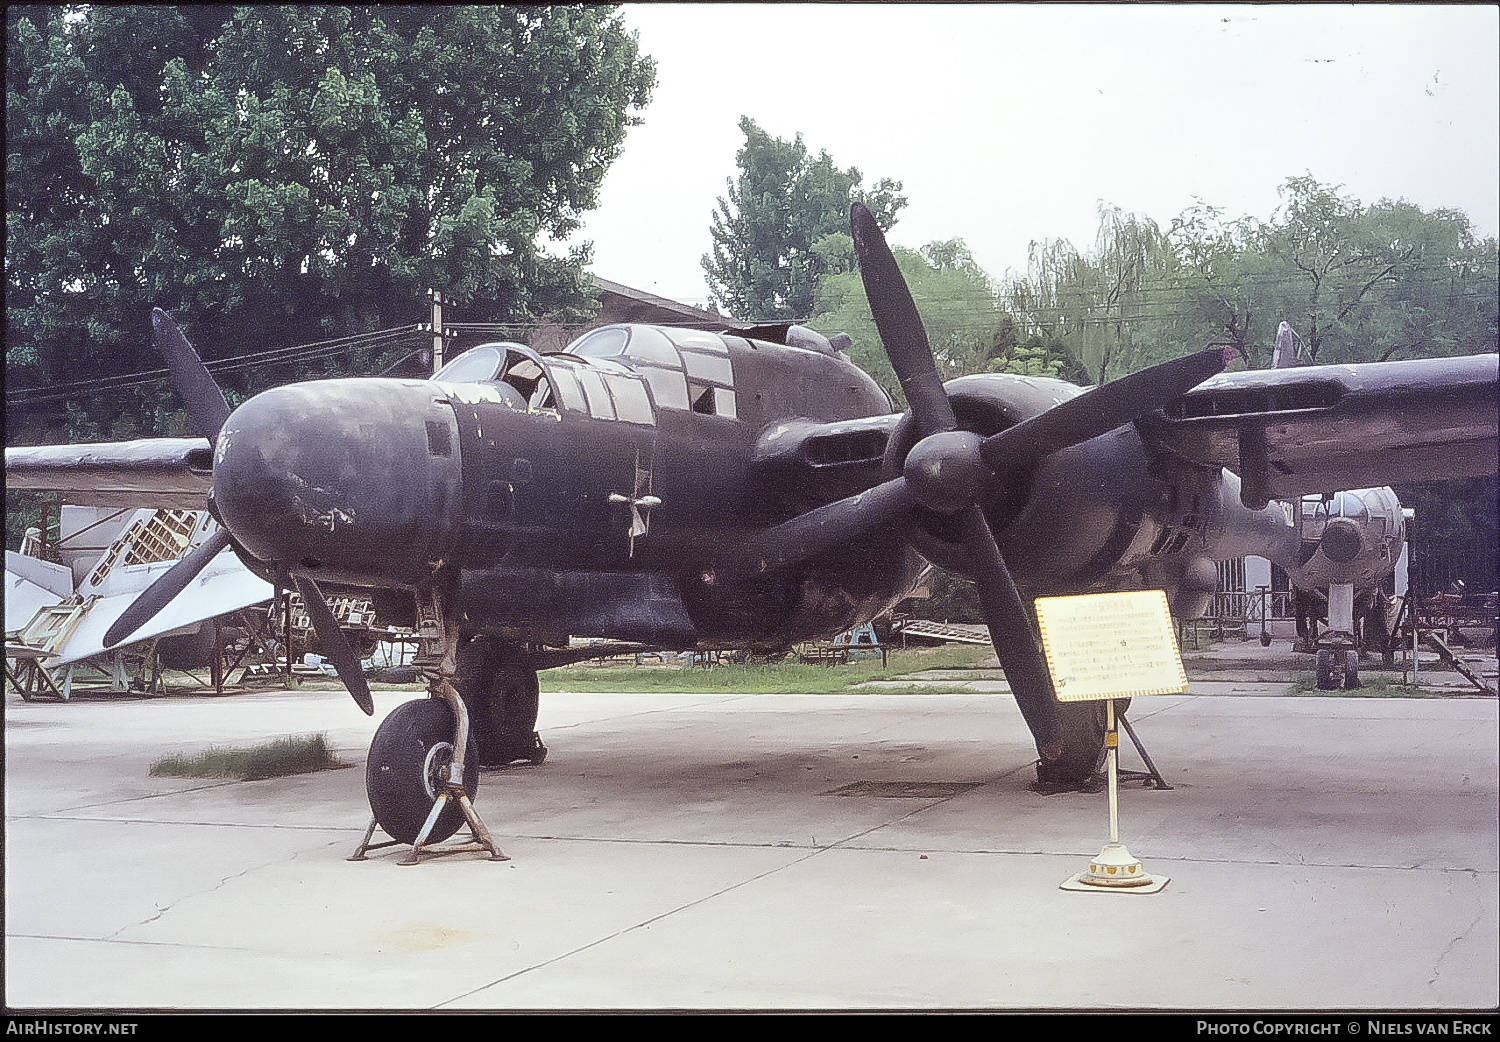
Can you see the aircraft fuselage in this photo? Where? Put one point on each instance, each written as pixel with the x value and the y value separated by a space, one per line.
pixel 602 491
pixel 568 494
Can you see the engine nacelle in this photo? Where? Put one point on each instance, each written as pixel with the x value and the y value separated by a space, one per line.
pixel 1074 518
pixel 1350 537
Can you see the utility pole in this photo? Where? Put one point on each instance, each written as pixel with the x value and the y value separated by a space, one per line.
pixel 436 326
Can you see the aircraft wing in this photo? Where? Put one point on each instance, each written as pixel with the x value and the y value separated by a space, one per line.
pixel 156 472
pixel 31 583
pixel 224 586
pixel 1289 432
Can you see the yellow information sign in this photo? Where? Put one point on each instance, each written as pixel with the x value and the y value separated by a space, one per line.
pixel 1110 645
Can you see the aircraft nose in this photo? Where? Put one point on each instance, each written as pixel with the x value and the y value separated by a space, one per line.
pixel 349 480
pixel 1341 542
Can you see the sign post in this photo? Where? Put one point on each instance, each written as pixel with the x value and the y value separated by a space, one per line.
pixel 1101 647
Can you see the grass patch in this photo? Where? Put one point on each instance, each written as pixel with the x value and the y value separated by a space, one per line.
pixel 788 677
pixel 274 759
pixel 1307 684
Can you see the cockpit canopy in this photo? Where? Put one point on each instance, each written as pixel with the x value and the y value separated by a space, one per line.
pixel 476 365
pixel 686 368
pixel 622 372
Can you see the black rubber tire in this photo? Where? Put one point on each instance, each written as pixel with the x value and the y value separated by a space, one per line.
pixel 1351 671
pixel 502 694
pixel 1084 725
pixel 410 743
pixel 1328 678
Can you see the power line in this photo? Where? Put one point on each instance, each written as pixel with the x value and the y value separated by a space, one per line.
pixel 276 356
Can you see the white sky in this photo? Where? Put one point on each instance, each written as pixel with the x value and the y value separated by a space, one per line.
pixel 1011 123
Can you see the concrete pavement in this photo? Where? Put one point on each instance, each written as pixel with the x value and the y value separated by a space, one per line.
pixel 692 852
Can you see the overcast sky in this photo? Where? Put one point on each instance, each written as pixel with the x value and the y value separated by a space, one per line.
pixel 1011 123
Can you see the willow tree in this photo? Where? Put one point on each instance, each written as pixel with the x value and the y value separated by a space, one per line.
pixel 1098 306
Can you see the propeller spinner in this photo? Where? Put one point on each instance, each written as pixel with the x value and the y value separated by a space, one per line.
pixel 949 471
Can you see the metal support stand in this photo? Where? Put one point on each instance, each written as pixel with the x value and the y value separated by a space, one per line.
pixel 1151 776
pixel 24 670
pixel 479 836
pixel 1115 868
pixel 438 660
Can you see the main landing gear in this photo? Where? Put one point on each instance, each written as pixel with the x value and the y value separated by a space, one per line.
pixel 499 686
pixel 1084 728
pixel 423 769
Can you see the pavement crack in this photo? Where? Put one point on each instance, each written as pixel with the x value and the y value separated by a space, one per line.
pixel 641 925
pixel 816 851
pixel 162 910
pixel 66 811
pixel 1463 935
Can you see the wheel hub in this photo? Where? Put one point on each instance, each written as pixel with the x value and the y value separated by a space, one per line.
pixel 435 768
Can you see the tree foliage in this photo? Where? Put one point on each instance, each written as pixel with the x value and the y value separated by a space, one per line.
pixel 1455 535
pixel 1092 304
pixel 1357 283
pixel 279 174
pixel 785 225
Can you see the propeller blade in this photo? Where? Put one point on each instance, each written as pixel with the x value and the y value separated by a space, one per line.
pixel 1011 631
pixel 824 528
pixel 900 326
pixel 205 402
pixel 167 586
pixel 1097 411
pixel 335 643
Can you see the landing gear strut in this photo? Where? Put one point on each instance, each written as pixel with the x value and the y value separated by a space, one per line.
pixel 423 768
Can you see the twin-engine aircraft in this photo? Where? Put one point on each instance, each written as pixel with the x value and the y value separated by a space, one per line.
pixel 751 488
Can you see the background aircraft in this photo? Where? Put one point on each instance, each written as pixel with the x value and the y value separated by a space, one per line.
pixel 751 488
pixel 110 555
pixel 1338 550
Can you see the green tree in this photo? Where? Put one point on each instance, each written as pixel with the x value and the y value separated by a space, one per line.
pixel 1443 295
pixel 281 174
pixel 1358 283
pixel 1330 260
pixel 1218 285
pixel 1454 535
pixel 952 293
pixel 785 225
pixel 1098 307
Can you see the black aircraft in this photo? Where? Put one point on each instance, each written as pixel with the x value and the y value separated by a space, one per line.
pixel 751 488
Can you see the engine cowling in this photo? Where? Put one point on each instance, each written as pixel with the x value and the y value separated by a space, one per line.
pixel 1348 537
pixel 1077 513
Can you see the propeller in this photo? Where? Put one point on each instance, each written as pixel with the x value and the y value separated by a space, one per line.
pixel 205 402
pixel 208 410
pixel 166 587
pixel 335 643
pixel 950 471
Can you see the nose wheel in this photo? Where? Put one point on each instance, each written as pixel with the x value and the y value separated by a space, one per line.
pixel 421 788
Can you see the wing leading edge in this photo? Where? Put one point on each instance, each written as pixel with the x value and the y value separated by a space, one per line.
pixel 1289 432
pixel 156 472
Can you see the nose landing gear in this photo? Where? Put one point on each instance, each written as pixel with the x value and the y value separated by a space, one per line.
pixel 420 785
pixel 1337 669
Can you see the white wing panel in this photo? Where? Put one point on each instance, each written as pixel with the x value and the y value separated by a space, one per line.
pixel 224 586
